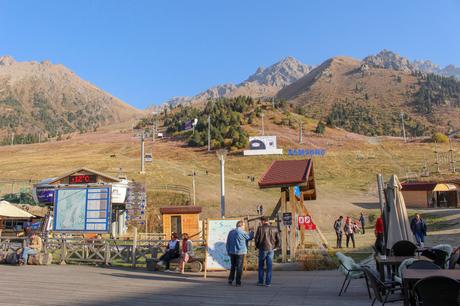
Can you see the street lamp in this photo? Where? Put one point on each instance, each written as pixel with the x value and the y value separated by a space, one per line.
pixel 221 156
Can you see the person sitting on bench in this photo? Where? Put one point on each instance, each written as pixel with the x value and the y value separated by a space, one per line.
pixel 186 252
pixel 172 251
pixel 34 247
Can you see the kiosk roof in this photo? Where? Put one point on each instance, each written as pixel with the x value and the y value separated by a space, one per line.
pixel 282 173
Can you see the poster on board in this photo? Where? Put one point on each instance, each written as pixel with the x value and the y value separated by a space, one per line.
pixel 216 238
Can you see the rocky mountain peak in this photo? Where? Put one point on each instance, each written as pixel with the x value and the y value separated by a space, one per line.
pixel 389 60
pixel 281 74
pixel 7 60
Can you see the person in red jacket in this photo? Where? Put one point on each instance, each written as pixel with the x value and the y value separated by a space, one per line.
pixel 379 235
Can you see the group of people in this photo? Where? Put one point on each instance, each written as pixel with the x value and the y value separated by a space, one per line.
pixel 177 249
pixel 417 226
pixel 349 227
pixel 266 241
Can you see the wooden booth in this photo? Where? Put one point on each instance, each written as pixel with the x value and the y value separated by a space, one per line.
pixel 181 219
pixel 12 219
pixel 441 194
pixel 296 181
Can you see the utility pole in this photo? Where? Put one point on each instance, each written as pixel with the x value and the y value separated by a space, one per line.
pixel 273 102
pixel 193 186
pixel 263 129
pixel 12 139
pixel 301 132
pixel 209 133
pixel 403 127
pixel 39 137
pixel 142 154
pixel 221 155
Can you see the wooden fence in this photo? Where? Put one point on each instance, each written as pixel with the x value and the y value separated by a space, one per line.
pixel 93 251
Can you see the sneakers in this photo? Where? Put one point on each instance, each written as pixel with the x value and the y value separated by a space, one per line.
pixel 259 284
pixel 230 283
pixel 160 263
pixel 268 285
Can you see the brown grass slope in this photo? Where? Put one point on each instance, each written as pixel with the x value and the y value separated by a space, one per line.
pixel 41 90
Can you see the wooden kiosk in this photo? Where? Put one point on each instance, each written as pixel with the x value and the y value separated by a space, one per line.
pixel 181 219
pixel 286 175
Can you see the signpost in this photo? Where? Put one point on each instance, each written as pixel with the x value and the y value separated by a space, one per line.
pixel 287 218
pixel 136 201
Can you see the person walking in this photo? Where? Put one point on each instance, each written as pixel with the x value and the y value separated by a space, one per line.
pixel 338 231
pixel 349 229
pixel 418 227
pixel 266 241
pixel 379 235
pixel 172 251
pixel 362 221
pixel 237 240
pixel 186 252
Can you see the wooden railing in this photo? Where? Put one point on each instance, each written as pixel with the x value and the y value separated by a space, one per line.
pixel 94 251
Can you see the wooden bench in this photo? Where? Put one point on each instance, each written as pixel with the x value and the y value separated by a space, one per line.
pixel 194 264
pixel 40 259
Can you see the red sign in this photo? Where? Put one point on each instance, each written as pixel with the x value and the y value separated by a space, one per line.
pixel 306 222
pixel 82 179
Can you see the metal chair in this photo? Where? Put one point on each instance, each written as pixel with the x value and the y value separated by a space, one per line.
pixel 384 292
pixel 423 265
pixel 437 290
pixel 403 248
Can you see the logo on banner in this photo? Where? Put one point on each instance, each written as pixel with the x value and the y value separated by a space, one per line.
pixel 306 222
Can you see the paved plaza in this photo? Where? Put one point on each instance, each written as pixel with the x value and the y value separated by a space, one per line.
pixel 87 285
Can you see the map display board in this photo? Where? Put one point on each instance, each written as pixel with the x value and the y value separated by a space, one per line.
pixel 82 209
pixel 216 238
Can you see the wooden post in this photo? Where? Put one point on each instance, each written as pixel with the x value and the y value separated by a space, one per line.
pixel 283 228
pixel 63 253
pixel 134 248
pixel 107 253
pixel 205 231
pixel 302 229
pixel 293 242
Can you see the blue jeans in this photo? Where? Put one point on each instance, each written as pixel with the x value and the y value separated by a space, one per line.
pixel 420 238
pixel 265 257
pixel 25 254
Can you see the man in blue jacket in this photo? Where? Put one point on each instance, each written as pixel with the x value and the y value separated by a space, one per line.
pixel 237 241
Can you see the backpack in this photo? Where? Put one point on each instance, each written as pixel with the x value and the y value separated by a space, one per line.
pixel 12 259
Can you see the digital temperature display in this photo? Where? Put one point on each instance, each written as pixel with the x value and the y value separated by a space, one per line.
pixel 82 179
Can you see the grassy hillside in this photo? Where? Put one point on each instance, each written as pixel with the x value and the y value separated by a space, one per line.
pixel 345 175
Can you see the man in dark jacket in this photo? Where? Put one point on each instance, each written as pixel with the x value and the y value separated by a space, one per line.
pixel 418 227
pixel 266 241
pixel 338 226
pixel 172 251
pixel 237 240
pixel 363 223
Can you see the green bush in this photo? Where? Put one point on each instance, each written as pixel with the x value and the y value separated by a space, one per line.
pixel 320 128
pixel 440 137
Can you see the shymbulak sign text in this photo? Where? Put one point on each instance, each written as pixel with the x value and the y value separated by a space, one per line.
pixel 307 152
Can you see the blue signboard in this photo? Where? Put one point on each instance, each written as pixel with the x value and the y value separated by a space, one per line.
pixel 82 209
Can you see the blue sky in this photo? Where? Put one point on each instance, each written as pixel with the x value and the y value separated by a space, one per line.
pixel 145 52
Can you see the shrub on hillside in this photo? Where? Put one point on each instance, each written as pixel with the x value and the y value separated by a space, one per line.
pixel 440 138
pixel 320 128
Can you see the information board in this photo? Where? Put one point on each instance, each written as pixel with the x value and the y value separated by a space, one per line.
pixel 216 238
pixel 82 210
pixel 136 201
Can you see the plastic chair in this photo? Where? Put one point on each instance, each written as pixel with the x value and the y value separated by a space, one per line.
pixel 423 265
pixel 351 270
pixel 436 291
pixel 401 267
pixel 403 248
pixel 384 292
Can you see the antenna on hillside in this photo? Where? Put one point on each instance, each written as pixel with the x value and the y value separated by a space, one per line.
pixel 263 129
pixel 403 127
pixel 301 132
